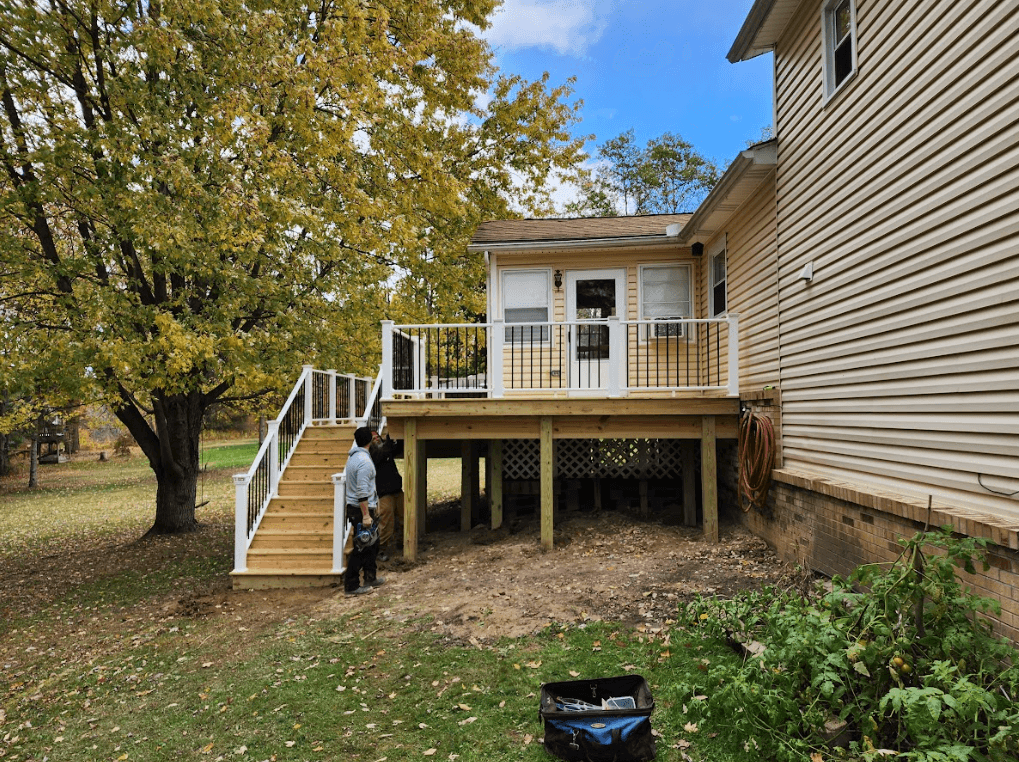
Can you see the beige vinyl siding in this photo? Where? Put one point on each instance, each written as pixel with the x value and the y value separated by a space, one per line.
pixel 900 361
pixel 752 283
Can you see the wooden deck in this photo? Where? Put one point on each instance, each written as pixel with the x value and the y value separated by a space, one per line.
pixel 417 421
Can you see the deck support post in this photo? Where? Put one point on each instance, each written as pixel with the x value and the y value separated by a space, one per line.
pixel 411 499
pixel 420 485
pixel 546 483
pixel 709 478
pixel 495 486
pixel 466 485
pixel 689 484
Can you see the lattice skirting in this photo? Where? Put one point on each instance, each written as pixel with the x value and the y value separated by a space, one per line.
pixel 588 458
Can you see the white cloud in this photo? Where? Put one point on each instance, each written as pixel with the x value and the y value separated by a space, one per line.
pixel 569 27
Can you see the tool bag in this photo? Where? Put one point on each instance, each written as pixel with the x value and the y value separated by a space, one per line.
pixel 606 719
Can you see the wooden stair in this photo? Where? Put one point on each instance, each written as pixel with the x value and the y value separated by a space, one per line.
pixel 293 546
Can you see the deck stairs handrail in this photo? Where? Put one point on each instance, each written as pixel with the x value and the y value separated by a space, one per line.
pixel 320 397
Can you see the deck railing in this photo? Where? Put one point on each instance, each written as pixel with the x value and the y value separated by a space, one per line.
pixel 608 357
pixel 318 397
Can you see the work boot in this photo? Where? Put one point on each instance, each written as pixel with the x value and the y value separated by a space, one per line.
pixel 377 581
pixel 359 591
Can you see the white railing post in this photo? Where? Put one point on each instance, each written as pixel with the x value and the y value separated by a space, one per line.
pixel 309 386
pixel 240 522
pixel 339 521
pixel 387 359
pixel 497 345
pixel 617 356
pixel 733 319
pixel 332 396
pixel 351 396
pixel 273 435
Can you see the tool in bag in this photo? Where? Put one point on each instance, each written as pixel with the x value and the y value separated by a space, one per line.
pixel 600 720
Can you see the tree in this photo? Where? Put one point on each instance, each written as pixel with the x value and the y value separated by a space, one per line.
pixel 207 193
pixel 667 176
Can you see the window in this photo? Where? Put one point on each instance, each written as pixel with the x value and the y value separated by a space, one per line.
pixel 665 295
pixel 525 299
pixel 839 39
pixel 717 282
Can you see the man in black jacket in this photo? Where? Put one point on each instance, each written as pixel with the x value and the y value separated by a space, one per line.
pixel 389 484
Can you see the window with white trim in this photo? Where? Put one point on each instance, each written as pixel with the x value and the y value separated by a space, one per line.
pixel 665 295
pixel 526 299
pixel 717 282
pixel 838 24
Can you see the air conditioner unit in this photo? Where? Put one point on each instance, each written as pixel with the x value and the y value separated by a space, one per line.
pixel 664 330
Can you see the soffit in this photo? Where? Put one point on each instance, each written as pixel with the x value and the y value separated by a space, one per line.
pixel 763 26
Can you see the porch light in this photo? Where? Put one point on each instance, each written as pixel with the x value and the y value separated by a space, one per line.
pixel 557 278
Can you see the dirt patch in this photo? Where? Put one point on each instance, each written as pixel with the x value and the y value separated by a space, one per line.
pixel 484 585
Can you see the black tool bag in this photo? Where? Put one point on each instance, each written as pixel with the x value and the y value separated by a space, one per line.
pixel 606 719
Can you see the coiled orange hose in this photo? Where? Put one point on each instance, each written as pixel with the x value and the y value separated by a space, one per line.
pixel 756 459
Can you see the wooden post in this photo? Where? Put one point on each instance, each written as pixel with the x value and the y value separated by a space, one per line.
pixel 466 494
pixel 475 481
pixel 495 486
pixel 689 451
pixel 709 478
pixel 411 499
pixel 546 483
pixel 421 486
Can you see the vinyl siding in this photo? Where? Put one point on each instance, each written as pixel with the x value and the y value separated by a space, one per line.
pixel 900 361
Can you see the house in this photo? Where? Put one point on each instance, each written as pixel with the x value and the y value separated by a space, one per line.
pixel 855 279
pixel 893 240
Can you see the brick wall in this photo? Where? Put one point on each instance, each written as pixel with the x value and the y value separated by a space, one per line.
pixel 832 527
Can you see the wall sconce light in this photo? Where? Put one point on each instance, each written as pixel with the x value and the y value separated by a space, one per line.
pixel 557 278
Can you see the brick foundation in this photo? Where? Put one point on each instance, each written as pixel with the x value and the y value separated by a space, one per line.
pixel 832 528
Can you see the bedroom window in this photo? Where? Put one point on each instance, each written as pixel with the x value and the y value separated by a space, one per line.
pixel 525 299
pixel 838 20
pixel 665 295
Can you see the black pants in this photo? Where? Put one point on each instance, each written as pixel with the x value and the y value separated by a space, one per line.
pixel 361 560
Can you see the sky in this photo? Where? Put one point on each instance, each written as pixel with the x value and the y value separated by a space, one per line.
pixel 654 65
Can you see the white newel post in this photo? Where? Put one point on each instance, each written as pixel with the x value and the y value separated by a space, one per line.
pixel 273 435
pixel 496 344
pixel 339 521
pixel 240 522
pixel 332 396
pixel 309 385
pixel 387 359
pixel 733 319
pixel 617 356
pixel 351 397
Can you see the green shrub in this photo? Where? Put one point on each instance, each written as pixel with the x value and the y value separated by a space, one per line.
pixel 908 665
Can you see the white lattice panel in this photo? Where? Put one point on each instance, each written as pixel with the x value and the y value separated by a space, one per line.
pixel 595 458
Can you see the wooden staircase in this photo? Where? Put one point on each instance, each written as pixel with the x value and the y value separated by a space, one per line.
pixel 293 546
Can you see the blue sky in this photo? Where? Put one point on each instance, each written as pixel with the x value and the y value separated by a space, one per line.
pixel 656 66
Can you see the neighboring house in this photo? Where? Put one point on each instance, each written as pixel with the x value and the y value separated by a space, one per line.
pixel 895 231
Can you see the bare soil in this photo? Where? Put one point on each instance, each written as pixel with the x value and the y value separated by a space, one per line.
pixel 484 585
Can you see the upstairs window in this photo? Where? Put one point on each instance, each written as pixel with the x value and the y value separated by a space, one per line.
pixel 839 38
pixel 525 299
pixel 718 295
pixel 665 295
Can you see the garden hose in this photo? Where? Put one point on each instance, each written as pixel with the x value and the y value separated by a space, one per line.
pixel 756 459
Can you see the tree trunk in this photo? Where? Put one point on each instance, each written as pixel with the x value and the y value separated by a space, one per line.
pixel 263 429
pixel 173 450
pixel 5 456
pixel 72 438
pixel 33 462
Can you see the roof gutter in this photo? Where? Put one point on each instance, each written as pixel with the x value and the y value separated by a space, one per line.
pixel 576 243
pixel 748 32
pixel 760 155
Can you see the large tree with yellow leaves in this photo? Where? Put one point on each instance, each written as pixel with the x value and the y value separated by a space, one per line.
pixel 206 193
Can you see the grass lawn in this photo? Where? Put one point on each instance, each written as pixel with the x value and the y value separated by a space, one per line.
pixel 119 648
